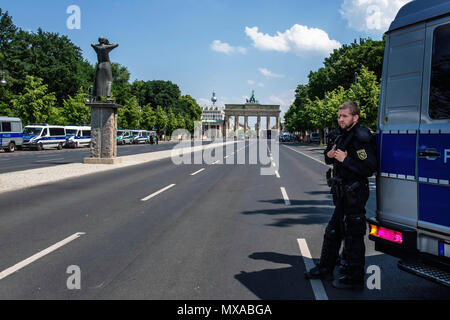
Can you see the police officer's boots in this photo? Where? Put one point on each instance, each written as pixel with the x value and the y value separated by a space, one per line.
pixel 319 272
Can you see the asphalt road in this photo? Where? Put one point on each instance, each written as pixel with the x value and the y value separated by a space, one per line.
pixel 31 159
pixel 226 232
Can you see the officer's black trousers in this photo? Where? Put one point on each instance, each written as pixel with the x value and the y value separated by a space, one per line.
pixel 347 223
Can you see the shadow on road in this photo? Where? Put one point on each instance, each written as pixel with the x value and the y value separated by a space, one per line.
pixel 273 284
pixel 308 211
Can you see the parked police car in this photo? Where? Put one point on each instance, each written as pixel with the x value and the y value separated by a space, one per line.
pixel 41 136
pixel 124 136
pixel 413 180
pixel 78 136
pixel 11 136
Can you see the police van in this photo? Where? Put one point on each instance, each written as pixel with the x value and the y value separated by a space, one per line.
pixel 124 136
pixel 413 180
pixel 78 136
pixel 11 136
pixel 140 136
pixel 42 136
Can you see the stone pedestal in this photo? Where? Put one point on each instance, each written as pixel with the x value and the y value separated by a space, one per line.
pixel 103 133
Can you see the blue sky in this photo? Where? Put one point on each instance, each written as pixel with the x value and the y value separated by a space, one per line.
pixel 231 46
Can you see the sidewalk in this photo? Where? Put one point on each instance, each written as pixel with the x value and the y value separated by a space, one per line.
pixel 17 180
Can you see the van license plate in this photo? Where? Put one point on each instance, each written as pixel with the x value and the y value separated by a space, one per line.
pixel 444 249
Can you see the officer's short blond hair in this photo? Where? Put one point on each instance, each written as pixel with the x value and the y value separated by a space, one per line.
pixel 352 106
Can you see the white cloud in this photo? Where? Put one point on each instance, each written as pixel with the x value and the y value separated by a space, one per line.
pixel 224 47
pixel 372 16
pixel 269 74
pixel 260 84
pixel 298 39
pixel 251 82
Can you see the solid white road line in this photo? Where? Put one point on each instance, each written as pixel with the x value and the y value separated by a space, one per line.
pixel 157 192
pixel 285 196
pixel 193 174
pixel 39 255
pixel 55 159
pixel 304 154
pixel 316 284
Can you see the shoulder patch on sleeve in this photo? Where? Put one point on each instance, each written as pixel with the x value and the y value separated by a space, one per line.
pixel 362 154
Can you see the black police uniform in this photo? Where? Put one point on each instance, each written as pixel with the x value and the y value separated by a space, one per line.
pixel 350 197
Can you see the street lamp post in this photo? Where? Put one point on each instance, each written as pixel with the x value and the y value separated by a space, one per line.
pixel 3 82
pixel 89 97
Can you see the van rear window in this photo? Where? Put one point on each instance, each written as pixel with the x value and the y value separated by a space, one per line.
pixel 439 107
pixel 6 127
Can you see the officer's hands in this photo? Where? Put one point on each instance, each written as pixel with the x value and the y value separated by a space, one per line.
pixel 340 155
pixel 331 154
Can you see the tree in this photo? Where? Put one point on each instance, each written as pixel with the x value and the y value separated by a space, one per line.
pixel 148 119
pixel 340 67
pixel 75 110
pixel 129 116
pixel 160 120
pixel 162 93
pixel 121 89
pixel 171 122
pixel 51 57
pixel 189 110
pixel 36 105
pixel 366 92
pixel 180 122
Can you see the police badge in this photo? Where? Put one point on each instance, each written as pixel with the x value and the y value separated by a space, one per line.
pixel 362 154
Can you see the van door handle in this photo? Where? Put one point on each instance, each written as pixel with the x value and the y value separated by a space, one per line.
pixel 429 153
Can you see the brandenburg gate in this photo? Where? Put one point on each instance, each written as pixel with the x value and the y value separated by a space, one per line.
pixel 251 108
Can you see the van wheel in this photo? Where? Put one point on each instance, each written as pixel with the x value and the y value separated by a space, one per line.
pixel 59 147
pixel 11 147
pixel 39 147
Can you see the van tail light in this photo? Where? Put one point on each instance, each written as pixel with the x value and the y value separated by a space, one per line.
pixel 386 234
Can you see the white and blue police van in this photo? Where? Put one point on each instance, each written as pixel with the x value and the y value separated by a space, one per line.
pixel 412 220
pixel 11 136
pixel 140 136
pixel 78 136
pixel 43 136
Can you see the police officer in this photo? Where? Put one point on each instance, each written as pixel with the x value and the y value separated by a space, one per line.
pixel 353 155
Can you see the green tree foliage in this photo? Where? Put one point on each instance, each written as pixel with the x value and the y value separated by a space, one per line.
pixel 49 56
pixel 130 115
pixel 352 72
pixel 121 89
pixel 148 119
pixel 75 110
pixel 366 92
pixel 161 120
pixel 172 124
pixel 35 105
pixel 189 111
pixel 340 67
pixel 157 93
